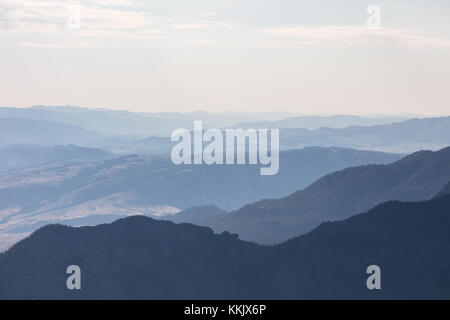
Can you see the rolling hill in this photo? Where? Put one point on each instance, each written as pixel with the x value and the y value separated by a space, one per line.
pixel 25 131
pixel 339 195
pixel 398 137
pixel 407 136
pixel 25 156
pixel 70 191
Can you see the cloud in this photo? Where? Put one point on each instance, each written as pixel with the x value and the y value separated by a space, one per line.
pixel 116 3
pixel 217 24
pixel 96 16
pixel 203 24
pixel 207 14
pixel 356 35
pixel 191 26
pixel 53 45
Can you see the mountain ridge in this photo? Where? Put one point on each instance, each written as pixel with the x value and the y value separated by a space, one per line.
pixel 417 177
pixel 142 258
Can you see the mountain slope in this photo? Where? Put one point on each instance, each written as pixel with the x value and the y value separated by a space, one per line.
pixel 46 133
pixel 140 258
pixel 64 191
pixel 26 156
pixel 336 196
pixel 156 180
pixel 444 191
pixel 408 241
pixel 135 257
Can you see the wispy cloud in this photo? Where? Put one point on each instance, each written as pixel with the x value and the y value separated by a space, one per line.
pixel 202 25
pixel 131 18
pixel 357 35
pixel 53 45
pixel 191 26
pixel 117 3
pixel 97 16
pixel 207 14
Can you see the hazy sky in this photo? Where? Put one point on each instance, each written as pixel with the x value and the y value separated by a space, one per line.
pixel 314 56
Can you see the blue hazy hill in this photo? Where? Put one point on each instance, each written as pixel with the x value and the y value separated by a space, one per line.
pixel 339 195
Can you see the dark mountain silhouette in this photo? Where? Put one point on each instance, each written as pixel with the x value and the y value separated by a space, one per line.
pixel 135 257
pixel 26 156
pixel 147 185
pixel 339 195
pixel 141 258
pixel 408 241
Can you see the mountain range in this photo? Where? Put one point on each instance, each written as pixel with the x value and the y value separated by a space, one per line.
pixel 161 124
pixel 141 258
pixel 398 137
pixel 125 133
pixel 317 122
pixel 77 192
pixel 336 196
pixel 407 136
pixel 121 122
pixel 96 188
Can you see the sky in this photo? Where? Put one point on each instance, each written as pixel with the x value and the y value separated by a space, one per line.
pixel 321 56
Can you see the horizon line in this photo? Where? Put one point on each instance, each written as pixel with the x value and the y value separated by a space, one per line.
pixel 235 111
